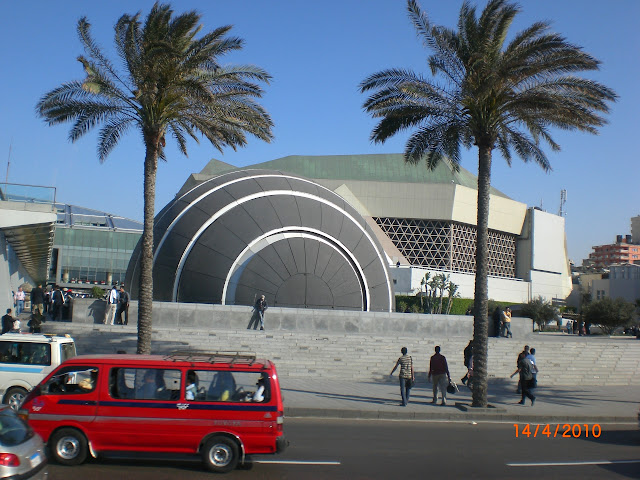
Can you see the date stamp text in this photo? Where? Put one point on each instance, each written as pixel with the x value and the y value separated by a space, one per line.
pixel 559 430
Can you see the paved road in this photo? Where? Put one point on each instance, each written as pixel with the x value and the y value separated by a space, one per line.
pixel 365 449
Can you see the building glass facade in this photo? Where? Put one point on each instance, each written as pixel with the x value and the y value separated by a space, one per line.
pixel 91 248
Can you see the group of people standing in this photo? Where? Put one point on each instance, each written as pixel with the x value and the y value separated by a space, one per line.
pixel 502 323
pixel 117 304
pixel 44 303
pixel 55 302
pixel 438 375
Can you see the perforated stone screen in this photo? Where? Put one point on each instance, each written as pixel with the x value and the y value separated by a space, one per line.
pixel 450 246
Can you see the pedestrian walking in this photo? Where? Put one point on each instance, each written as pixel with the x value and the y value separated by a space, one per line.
pixel 37 300
pixel 521 355
pixel 532 358
pixel 57 301
pixel 47 302
pixel 525 369
pixel 67 306
pixel 407 375
pixel 7 322
pixel 258 313
pixel 123 306
pixel 468 352
pixel 497 322
pixel 506 321
pixel 19 301
pixel 110 310
pixel 439 374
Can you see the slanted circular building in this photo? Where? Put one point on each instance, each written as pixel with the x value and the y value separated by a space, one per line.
pixel 250 232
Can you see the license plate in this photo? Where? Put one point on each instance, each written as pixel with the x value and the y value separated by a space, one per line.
pixel 35 459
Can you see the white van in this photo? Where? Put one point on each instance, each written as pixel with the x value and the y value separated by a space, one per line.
pixel 25 359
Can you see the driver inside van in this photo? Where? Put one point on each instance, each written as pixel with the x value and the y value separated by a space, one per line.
pixel 89 383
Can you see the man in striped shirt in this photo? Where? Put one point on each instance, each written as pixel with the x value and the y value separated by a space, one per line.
pixel 407 375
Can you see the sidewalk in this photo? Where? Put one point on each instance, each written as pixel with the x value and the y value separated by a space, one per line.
pixel 328 398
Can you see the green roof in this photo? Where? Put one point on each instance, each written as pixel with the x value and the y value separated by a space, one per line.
pixel 389 167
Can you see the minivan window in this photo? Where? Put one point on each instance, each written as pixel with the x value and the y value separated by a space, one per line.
pixel 67 351
pixel 145 383
pixel 13 431
pixel 25 353
pixel 227 386
pixel 72 380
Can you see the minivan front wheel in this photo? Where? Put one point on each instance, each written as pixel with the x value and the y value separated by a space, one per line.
pixel 68 446
pixel 220 454
pixel 15 397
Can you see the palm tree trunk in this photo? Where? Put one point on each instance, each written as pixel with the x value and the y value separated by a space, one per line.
pixel 145 289
pixel 481 320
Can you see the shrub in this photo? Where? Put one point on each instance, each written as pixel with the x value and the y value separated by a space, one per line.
pixel 609 314
pixel 97 292
pixel 539 311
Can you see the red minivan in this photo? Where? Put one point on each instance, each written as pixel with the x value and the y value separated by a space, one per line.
pixel 219 405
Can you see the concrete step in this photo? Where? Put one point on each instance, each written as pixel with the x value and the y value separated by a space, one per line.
pixel 364 356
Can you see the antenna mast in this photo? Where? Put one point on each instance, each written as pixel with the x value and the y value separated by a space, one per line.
pixel 563 200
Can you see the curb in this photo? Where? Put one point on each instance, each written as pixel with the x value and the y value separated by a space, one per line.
pixel 454 415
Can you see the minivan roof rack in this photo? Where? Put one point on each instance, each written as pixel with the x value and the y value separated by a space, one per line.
pixel 244 358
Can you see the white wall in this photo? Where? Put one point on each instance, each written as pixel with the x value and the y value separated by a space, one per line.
pixel 501 289
pixel 549 243
pixel 542 256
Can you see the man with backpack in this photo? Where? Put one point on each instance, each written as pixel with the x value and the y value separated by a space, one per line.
pixel 525 369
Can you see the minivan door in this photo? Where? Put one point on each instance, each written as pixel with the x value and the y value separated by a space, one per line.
pixel 138 410
pixel 70 396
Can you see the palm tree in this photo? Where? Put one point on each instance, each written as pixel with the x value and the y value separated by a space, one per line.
pixel 171 83
pixel 491 94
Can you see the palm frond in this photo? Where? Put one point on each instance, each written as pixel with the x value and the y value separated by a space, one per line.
pixel 110 134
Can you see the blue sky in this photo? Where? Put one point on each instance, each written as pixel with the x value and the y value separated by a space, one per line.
pixel 317 53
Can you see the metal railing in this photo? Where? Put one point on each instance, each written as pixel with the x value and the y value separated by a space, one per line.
pixel 16 192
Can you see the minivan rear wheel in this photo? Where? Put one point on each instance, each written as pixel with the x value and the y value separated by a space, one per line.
pixel 220 454
pixel 15 397
pixel 68 446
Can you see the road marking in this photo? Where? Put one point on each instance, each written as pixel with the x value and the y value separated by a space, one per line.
pixel 295 462
pixel 571 464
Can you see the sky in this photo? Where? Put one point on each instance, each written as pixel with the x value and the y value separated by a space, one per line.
pixel 317 54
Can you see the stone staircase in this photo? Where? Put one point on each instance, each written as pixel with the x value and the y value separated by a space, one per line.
pixel 562 359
